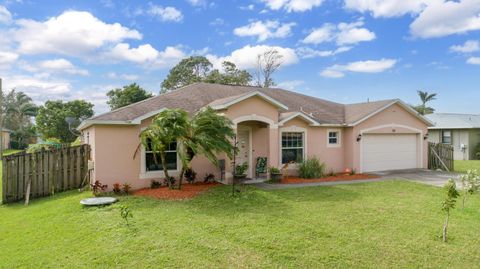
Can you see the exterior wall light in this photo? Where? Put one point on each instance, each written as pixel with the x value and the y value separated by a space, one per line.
pixel 425 137
pixel 359 137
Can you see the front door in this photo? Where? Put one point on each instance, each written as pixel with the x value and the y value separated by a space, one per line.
pixel 243 139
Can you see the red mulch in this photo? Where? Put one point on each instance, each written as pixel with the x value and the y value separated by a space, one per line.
pixel 339 177
pixel 188 191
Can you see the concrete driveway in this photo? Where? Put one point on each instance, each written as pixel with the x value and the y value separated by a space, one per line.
pixel 434 178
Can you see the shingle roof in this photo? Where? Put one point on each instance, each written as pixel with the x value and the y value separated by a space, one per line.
pixel 454 121
pixel 196 96
pixel 356 112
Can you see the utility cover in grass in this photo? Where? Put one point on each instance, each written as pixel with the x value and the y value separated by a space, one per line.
pixel 98 201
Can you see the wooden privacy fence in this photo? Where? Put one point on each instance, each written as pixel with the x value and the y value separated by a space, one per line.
pixel 440 156
pixel 49 172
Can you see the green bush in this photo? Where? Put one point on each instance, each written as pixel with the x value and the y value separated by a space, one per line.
pixel 477 151
pixel 311 168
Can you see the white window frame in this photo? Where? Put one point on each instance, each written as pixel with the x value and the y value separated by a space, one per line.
pixel 339 138
pixel 292 129
pixel 442 136
pixel 144 174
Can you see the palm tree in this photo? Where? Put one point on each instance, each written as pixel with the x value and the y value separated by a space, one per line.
pixel 207 133
pixel 425 97
pixel 19 109
pixel 167 127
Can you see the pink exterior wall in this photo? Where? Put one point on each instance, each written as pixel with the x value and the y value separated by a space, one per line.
pixel 392 118
pixel 113 146
pixel 317 144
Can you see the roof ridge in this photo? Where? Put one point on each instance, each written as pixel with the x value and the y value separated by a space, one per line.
pixel 370 102
pixel 144 100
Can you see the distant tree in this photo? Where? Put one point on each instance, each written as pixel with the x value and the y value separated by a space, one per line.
pixel 51 118
pixel 199 69
pixel 267 64
pixel 425 97
pixel 19 110
pixel 448 204
pixel 129 94
pixel 231 75
pixel 189 70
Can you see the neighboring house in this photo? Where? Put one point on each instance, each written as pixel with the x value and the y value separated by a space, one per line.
pixel 6 138
pixel 462 131
pixel 281 125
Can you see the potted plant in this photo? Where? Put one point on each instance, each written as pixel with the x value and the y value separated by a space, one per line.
pixel 275 174
pixel 240 171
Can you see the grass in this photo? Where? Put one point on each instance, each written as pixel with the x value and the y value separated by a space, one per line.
pixel 464 166
pixel 387 224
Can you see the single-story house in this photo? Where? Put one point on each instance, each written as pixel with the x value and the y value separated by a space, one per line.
pixel 462 131
pixel 281 125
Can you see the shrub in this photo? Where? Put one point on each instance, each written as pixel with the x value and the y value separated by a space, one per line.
pixel 273 170
pixel 240 169
pixel 448 204
pixel 155 184
pixel 126 188
pixel 331 173
pixel 117 188
pixel 209 178
pixel 470 184
pixel 311 168
pixel 98 187
pixel 477 151
pixel 190 175
pixel 169 179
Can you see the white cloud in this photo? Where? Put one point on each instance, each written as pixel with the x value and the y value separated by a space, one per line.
pixel 114 75
pixel 141 54
pixel 370 66
pixel 473 60
pixel 469 46
pixel 5 15
pixel 168 57
pixel 386 8
pixel 246 57
pixel 37 88
pixel 166 13
pixel 330 73
pixel 441 18
pixel 72 33
pixel 197 3
pixel 146 55
pixel 291 85
pixel 342 34
pixel 249 7
pixel 305 52
pixel 62 66
pixel 292 5
pixel 320 35
pixel 265 30
pixel 7 58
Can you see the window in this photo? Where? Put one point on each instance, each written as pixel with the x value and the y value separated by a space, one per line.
pixel 170 156
pixel 292 147
pixel 447 137
pixel 333 138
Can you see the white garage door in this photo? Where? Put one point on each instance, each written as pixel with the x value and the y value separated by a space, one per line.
pixel 389 152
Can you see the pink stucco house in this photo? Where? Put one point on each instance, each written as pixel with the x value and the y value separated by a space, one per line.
pixel 274 123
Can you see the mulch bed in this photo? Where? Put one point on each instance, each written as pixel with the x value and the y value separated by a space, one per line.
pixel 339 177
pixel 188 191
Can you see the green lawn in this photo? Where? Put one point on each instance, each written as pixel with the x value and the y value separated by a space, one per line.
pixel 388 224
pixel 464 166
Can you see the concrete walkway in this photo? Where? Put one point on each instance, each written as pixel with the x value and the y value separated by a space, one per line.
pixel 434 178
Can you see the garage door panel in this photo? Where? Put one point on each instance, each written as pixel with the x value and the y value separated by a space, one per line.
pixel 389 152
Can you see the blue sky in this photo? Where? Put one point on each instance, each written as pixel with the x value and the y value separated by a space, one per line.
pixel 342 50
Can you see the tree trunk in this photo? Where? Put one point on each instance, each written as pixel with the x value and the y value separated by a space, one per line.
pixel 190 156
pixel 445 227
pixel 165 169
